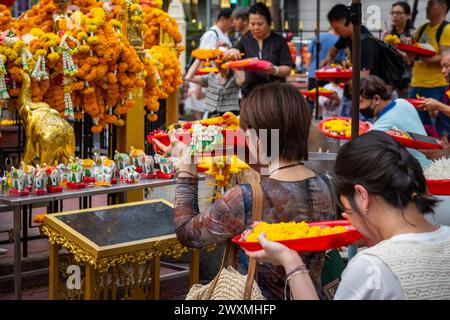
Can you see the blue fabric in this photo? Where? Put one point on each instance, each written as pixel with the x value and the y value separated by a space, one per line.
pixel 386 109
pixel 435 93
pixel 404 117
pixel 327 41
pixel 347 107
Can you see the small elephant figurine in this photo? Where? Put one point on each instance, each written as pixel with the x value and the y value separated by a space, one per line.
pixel 40 181
pixel 122 160
pixel 149 167
pixel 18 183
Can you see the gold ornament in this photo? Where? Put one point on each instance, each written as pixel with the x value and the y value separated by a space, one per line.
pixel 49 137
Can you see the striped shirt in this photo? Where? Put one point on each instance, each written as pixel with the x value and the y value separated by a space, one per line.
pixel 221 97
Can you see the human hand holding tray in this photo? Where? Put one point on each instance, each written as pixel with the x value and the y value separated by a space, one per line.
pixel 251 64
pixel 312 244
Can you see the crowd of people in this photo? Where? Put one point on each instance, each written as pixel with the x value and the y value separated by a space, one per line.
pixel 377 184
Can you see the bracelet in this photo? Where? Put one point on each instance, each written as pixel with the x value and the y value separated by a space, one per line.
pixel 295 274
pixel 277 70
pixel 301 268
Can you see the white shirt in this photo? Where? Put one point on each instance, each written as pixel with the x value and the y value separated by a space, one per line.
pixel 368 278
pixel 209 39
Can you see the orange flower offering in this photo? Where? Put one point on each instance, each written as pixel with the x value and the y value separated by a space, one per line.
pixel 208 70
pixel 288 231
pixel 206 54
pixel 322 92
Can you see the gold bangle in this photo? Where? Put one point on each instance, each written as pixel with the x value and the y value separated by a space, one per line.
pixel 296 273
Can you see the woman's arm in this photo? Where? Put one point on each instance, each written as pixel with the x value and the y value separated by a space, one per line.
pixel 279 71
pixel 435 105
pixel 199 95
pixel 223 220
pixel 240 77
pixel 197 80
pixel 302 287
pixel 191 72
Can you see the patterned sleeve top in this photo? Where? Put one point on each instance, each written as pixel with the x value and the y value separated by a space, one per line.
pixel 230 215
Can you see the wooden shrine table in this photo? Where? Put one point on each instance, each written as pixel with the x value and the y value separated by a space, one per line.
pixel 116 251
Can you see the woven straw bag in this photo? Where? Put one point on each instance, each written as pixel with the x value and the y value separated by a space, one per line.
pixel 229 284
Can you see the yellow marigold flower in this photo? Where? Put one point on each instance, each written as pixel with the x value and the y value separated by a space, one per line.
pixel 92 40
pixel 82 36
pixel 290 230
pixel 54 56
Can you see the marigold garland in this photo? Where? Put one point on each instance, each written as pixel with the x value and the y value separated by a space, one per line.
pixel 105 68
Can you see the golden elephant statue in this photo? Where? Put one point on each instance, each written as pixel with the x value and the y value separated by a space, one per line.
pixel 49 138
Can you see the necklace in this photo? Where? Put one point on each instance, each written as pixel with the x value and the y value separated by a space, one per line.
pixel 285 167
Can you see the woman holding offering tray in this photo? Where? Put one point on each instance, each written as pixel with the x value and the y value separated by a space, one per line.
pixel 292 192
pixel 383 193
pixel 263 44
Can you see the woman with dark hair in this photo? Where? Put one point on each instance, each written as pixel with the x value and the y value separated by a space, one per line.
pixel 383 193
pixel 264 44
pixel 292 192
pixel 402 25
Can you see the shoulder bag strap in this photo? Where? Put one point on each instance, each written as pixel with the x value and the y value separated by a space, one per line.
pixel 421 31
pixel 257 211
pixel 229 253
pixel 440 30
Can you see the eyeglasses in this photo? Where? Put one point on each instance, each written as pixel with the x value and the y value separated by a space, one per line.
pixel 396 13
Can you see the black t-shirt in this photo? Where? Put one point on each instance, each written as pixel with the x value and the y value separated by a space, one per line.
pixel 369 51
pixel 275 49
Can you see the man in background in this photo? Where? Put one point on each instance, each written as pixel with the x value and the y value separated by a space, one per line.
pixel 240 22
pixel 218 35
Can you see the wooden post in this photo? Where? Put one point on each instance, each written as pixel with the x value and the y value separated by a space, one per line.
pixel 53 272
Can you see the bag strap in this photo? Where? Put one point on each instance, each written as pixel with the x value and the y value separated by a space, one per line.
pixel 228 255
pixel 440 30
pixel 421 31
pixel 257 212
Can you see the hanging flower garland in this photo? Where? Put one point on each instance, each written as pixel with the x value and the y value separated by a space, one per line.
pixel 5 18
pixel 156 19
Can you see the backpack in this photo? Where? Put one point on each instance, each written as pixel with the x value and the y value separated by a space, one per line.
pixel 439 31
pixel 395 71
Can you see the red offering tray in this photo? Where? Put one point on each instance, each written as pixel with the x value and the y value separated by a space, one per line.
pixel 320 243
pixel 415 49
pixel 416 102
pixel 313 93
pixel 252 64
pixel 325 75
pixel 439 187
pixel 415 144
pixel 363 127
